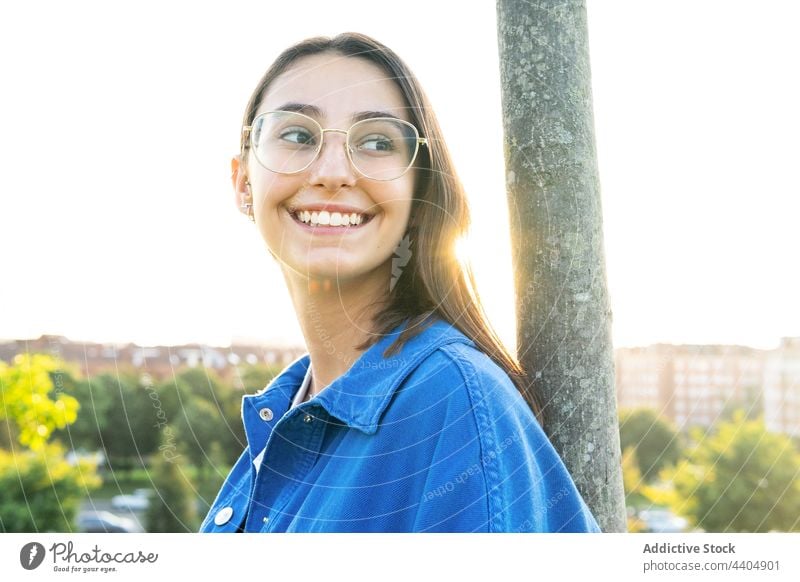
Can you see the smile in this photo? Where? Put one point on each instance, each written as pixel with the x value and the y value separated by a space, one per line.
pixel 324 222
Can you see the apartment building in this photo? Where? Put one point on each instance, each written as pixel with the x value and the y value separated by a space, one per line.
pixel 157 361
pixel 782 388
pixel 691 385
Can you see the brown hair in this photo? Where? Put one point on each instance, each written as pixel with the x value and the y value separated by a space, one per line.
pixel 433 282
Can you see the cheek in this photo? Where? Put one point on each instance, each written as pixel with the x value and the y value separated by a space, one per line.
pixel 272 190
pixel 396 206
pixel 395 199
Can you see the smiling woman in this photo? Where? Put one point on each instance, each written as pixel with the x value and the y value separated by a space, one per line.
pixel 407 413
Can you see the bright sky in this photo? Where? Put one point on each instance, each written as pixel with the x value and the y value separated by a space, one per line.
pixel 117 220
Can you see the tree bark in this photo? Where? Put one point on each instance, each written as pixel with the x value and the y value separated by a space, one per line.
pixel 563 311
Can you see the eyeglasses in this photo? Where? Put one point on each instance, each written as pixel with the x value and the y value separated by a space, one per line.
pixel 380 148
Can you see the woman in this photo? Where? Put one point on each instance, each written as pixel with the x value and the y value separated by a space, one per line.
pixel 407 413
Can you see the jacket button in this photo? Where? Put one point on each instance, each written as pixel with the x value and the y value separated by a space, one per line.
pixel 223 516
pixel 265 414
pixel 308 418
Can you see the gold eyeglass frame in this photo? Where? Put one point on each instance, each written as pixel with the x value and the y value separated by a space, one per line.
pixel 247 135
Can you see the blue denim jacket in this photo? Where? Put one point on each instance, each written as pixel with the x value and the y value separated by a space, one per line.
pixel 435 438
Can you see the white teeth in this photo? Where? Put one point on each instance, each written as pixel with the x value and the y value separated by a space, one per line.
pixel 325 218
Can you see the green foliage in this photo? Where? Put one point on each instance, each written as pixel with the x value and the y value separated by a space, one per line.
pixel 208 411
pixel 751 402
pixel 255 376
pixel 172 508
pixel 199 425
pixel 30 402
pixel 199 382
pixel 632 482
pixel 128 431
pixel 631 478
pixel 740 479
pixel 209 480
pixel 188 425
pixel 655 442
pixel 40 491
pixel 95 401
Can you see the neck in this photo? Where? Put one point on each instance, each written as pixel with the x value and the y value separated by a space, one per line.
pixel 335 316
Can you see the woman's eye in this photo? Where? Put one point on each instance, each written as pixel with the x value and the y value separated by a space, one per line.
pixel 299 136
pixel 376 143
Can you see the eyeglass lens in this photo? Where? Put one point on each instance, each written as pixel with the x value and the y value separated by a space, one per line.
pixel 288 142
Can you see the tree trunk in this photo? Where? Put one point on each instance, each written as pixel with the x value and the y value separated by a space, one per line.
pixel 563 313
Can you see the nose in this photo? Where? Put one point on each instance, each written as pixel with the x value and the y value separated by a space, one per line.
pixel 332 168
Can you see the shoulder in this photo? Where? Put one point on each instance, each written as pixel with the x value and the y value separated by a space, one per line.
pixel 462 374
pixel 480 413
pixel 461 393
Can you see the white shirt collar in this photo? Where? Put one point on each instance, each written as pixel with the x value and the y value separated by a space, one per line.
pixel 301 393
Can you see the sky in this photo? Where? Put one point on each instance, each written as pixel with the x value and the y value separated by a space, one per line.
pixel 117 219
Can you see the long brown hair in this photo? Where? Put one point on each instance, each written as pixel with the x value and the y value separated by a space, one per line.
pixel 434 282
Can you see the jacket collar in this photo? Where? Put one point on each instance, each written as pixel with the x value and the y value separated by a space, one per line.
pixel 360 396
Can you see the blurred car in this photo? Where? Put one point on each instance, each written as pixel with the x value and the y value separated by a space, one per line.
pixel 662 521
pixel 139 500
pixel 96 458
pixel 105 522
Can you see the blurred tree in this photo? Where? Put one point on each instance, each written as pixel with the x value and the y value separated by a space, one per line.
pixel 172 508
pixel 232 440
pixel 209 482
pixel 740 479
pixel 254 377
pixel 199 425
pixel 657 444
pixel 199 382
pixel 631 476
pixel 95 401
pixel 632 480
pixel 39 489
pixel 30 401
pixel 751 401
pixel 208 410
pixel 130 430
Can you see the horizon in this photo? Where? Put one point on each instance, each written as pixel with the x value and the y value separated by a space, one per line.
pixel 255 342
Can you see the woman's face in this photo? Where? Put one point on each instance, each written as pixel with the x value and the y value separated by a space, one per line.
pixel 338 88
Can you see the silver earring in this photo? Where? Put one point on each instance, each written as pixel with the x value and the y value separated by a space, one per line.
pixel 248 206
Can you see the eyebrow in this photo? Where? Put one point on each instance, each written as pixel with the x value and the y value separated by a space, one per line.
pixel 314 111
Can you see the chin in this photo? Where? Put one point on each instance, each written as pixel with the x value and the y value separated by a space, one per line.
pixel 316 269
pixel 341 272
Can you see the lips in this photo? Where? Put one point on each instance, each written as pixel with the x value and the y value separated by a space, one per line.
pixel 326 229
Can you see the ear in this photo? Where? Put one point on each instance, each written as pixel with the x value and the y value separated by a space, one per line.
pixel 239 181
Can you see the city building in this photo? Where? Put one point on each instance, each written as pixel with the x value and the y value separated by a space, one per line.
pixel 157 361
pixel 782 388
pixel 691 385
